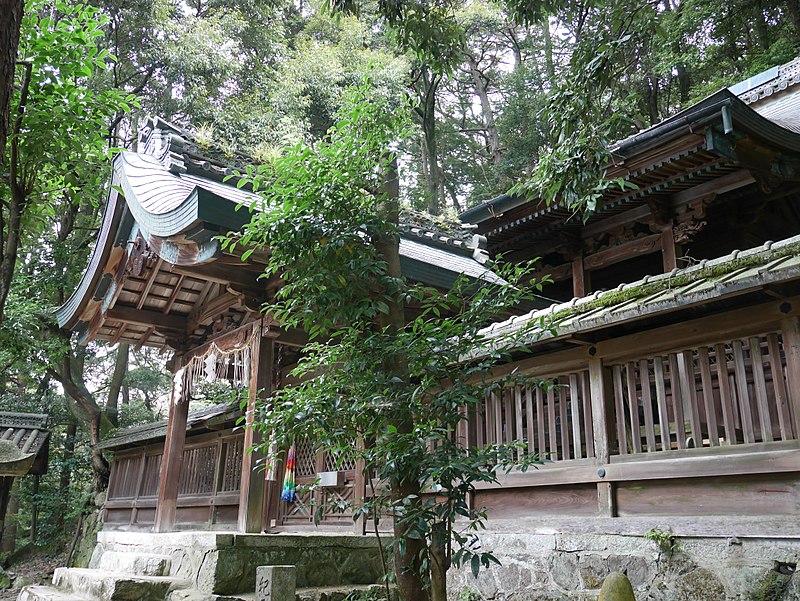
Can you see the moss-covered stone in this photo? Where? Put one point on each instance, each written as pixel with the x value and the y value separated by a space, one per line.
pixel 771 587
pixel 616 587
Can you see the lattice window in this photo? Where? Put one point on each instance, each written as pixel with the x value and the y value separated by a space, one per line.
pixel 305 458
pixel 152 471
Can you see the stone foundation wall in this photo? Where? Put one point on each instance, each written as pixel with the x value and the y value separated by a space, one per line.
pixel 568 561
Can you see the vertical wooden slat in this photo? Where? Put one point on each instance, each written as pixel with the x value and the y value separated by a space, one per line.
pixel 619 413
pixel 508 417
pixel 490 419
pixel 551 422
pixel 708 395
pixel 790 331
pixel 779 387
pixel 742 392
pixel 480 426
pixel 760 384
pixel 561 395
pixel 676 390
pixel 661 399
pixel 601 409
pixel 689 389
pixel 520 434
pixel 588 427
pixel 498 417
pixel 529 419
pixel 725 394
pixel 633 407
pixel 540 419
pixel 574 399
pixel 647 405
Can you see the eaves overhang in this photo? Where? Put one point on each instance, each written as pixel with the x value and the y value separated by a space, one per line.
pixel 723 110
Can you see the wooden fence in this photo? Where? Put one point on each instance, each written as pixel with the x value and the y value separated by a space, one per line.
pixel 208 491
pixel 696 412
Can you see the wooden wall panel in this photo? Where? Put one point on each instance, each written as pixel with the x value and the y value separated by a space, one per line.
pixel 527 502
pixel 753 495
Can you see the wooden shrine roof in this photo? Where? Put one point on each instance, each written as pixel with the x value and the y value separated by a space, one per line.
pixel 159 277
pixel 24 443
pixel 223 414
pixel 725 137
pixel 737 276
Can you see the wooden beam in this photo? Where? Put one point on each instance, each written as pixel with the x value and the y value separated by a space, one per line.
pixel 723 184
pixel 172 460
pixel 579 277
pixel 639 215
pixel 143 317
pixel 253 483
pixel 748 321
pixel 223 274
pixel 615 254
pixel 668 251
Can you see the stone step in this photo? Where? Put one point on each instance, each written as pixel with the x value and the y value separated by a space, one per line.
pixel 340 593
pixel 142 564
pixel 114 586
pixel 48 593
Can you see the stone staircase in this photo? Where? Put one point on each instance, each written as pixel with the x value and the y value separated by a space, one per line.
pixel 117 577
pixel 211 567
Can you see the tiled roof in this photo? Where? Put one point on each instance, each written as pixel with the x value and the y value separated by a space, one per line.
pixel 155 430
pixel 29 434
pixel 708 280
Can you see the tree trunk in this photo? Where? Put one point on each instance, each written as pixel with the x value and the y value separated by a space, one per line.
pixel 404 484
pixel 486 109
pixel 9 533
pixel 120 369
pixel 548 53
pixel 35 510
pixel 427 87
pixel 66 471
pixel 10 21
pixel 83 407
pixel 440 561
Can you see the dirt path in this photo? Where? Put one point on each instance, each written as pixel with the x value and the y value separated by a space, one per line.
pixel 37 569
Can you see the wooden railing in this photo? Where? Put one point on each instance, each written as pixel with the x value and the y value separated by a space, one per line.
pixel 210 479
pixel 728 393
pixel 692 410
pixel 553 419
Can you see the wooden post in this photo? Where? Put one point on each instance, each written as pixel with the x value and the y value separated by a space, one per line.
pixel 669 252
pixel 172 460
pixel 790 330
pixel 360 491
pixel 253 486
pixel 580 278
pixel 602 399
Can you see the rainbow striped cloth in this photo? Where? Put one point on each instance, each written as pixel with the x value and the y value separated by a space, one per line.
pixel 289 486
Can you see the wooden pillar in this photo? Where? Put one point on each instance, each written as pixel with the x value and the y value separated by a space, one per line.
pixel 581 282
pixel 602 428
pixel 669 251
pixel 790 330
pixel 172 460
pixel 252 492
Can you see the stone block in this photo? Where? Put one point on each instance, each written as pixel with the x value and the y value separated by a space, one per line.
pixel 143 564
pixel 275 583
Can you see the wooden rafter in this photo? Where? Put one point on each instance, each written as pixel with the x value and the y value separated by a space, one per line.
pixel 156 319
pixel 175 291
pixel 149 283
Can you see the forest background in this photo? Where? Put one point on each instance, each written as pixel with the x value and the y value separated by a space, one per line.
pixel 516 94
